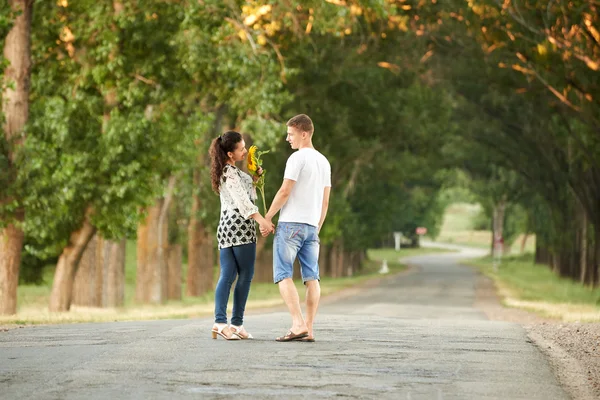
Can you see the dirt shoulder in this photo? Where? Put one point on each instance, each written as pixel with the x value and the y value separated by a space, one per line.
pixel 573 349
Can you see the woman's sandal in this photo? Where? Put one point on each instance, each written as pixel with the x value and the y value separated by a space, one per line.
pixel 289 336
pixel 241 332
pixel 224 331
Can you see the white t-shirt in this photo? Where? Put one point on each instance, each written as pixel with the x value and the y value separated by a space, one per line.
pixel 312 173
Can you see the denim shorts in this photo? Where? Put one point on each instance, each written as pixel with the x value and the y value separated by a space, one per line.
pixel 293 239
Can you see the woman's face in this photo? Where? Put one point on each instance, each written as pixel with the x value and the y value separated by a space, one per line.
pixel 239 153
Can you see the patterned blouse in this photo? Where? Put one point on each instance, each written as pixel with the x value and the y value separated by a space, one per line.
pixel 238 195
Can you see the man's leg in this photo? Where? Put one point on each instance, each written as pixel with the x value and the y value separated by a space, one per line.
pixel 286 243
pixel 313 295
pixel 288 291
pixel 308 255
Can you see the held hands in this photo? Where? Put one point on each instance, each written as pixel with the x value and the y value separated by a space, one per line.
pixel 266 227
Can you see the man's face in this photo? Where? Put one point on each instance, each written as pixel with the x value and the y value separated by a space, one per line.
pixel 294 137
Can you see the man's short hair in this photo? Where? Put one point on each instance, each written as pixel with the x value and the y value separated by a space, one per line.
pixel 302 122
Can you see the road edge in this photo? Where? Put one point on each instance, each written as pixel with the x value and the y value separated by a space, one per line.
pixel 568 370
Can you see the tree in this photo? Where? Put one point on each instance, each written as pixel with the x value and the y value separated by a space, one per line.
pixel 105 138
pixel 530 76
pixel 15 109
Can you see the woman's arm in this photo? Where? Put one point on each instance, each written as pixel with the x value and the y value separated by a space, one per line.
pixel 242 201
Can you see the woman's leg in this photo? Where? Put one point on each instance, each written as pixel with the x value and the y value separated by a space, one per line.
pixel 245 255
pixel 226 278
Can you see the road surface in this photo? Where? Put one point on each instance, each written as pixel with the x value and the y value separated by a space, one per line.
pixel 412 336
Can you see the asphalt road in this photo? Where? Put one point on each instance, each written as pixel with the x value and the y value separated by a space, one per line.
pixel 413 336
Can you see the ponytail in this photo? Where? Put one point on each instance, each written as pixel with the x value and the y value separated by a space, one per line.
pixel 218 150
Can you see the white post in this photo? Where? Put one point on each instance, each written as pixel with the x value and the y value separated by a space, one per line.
pixel 384 267
pixel 397 237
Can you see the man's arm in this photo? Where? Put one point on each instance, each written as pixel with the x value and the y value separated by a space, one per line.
pixel 326 193
pixel 281 198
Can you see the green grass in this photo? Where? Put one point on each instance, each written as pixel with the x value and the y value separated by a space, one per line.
pixel 460 216
pixel 457 228
pixel 33 300
pixel 524 284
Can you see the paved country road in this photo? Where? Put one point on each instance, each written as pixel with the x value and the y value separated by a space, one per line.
pixel 413 336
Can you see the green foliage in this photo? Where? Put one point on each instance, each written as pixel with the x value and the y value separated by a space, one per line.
pixel 483 221
pixel 105 122
pixel 416 108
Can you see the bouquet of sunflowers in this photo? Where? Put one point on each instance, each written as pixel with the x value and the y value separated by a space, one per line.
pixel 254 163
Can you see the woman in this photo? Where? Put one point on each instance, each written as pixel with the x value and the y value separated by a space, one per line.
pixel 236 234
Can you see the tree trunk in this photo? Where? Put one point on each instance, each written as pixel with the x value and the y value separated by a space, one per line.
pixel 263 269
pixel 152 254
pixel 363 257
pixel 583 254
pixel 17 51
pixel 11 245
pixel 336 255
pixel 100 278
pixel 174 267
pixel 141 281
pixel 555 263
pixel 85 292
pixel 113 268
pixel 324 261
pixel 350 257
pixel 200 275
pixel 524 242
pixel 163 246
pixel 153 278
pixel 15 109
pixel 207 270
pixel 542 250
pixel 595 272
pixel 66 268
pixel 147 239
pixel 492 235
pixel 498 226
pixel 357 259
pixel 163 256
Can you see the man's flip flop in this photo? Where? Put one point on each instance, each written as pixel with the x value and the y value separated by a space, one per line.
pixel 289 336
pixel 305 339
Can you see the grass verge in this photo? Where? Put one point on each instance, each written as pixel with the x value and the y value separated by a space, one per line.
pixel 523 284
pixel 33 300
pixel 458 227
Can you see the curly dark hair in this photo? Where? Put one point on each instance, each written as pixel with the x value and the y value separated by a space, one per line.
pixel 218 155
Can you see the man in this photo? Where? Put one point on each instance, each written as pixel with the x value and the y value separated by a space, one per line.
pixel 303 200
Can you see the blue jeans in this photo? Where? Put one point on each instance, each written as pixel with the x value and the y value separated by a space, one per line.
pixel 293 240
pixel 235 261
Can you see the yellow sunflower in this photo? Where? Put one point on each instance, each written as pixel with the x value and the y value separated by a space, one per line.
pixel 252 160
